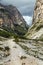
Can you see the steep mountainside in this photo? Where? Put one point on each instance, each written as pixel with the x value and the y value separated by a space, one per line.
pixel 36 30
pixel 11 20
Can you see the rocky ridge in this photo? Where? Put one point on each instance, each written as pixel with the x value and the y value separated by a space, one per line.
pixel 11 20
pixel 36 30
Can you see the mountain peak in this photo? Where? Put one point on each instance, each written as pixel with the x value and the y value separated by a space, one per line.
pixel 11 20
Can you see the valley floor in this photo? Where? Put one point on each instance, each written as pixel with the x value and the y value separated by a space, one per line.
pixel 21 53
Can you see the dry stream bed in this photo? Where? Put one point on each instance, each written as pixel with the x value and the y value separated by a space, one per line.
pixel 24 52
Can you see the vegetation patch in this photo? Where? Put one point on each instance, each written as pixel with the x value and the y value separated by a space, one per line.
pixel 5 34
pixel 39 27
pixel 23 63
pixel 24 47
pixel 23 57
pixel 7 48
pixel 1 48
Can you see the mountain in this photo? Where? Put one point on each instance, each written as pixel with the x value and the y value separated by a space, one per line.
pixel 11 20
pixel 36 30
pixel 18 51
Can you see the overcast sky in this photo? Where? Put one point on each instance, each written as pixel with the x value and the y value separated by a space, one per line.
pixel 26 8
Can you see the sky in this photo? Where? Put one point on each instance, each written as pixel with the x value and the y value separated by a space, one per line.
pixel 26 7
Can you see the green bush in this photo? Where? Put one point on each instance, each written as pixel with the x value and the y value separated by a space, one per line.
pixel 5 33
pixel 23 57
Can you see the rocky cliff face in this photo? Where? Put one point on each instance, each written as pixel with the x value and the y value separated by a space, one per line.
pixel 11 20
pixel 36 31
pixel 38 11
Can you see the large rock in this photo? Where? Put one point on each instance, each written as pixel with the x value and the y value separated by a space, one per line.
pixel 36 30
pixel 11 20
pixel 38 11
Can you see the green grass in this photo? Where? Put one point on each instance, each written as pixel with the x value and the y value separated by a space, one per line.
pixel 5 34
pixel 41 39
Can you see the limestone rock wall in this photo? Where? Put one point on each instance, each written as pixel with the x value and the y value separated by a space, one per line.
pixel 38 11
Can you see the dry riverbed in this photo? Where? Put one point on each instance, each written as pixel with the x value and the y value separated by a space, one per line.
pixel 20 53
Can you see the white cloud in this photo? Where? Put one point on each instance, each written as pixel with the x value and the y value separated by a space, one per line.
pixel 28 19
